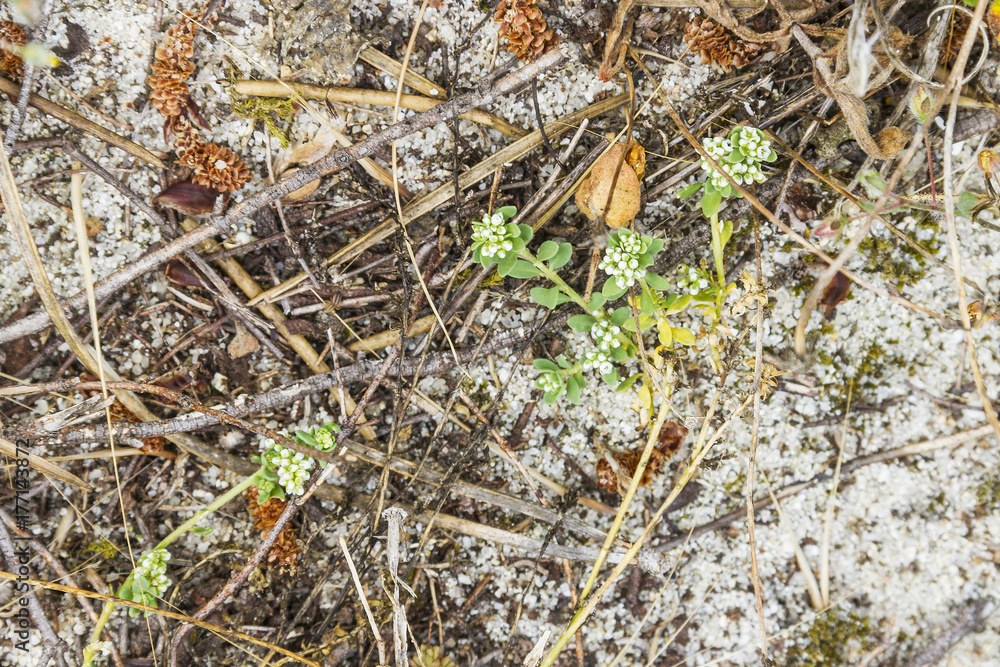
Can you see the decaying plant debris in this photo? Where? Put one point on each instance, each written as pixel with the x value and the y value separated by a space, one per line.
pixel 390 330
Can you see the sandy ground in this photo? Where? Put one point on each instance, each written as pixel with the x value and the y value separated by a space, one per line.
pixel 912 540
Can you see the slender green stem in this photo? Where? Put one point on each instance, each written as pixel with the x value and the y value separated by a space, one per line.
pixel 218 503
pixel 717 253
pixel 554 277
pixel 720 271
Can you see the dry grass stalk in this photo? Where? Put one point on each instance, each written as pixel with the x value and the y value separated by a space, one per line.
pixel 365 96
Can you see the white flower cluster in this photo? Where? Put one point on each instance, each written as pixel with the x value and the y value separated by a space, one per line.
pixel 622 261
pixel 549 382
pixel 690 280
pixel 598 359
pixel 292 467
pixel 153 566
pixel 752 145
pixel 604 333
pixel 492 232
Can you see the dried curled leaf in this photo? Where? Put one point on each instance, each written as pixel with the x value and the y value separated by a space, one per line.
pixel 594 192
pixel 616 469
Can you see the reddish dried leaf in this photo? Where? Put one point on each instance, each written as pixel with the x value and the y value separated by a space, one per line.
pixel 835 294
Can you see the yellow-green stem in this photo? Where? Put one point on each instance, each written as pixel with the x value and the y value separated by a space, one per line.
pixel 720 271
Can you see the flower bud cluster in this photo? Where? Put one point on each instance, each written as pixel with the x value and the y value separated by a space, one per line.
pixel 493 233
pixel 291 467
pixel 743 165
pixel 152 565
pixel 605 334
pixel 549 382
pixel 621 259
pixel 690 280
pixel 600 360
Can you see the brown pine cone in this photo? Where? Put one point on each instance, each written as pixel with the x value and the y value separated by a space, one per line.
pixel 717 47
pixel 216 167
pixel 524 29
pixel 171 98
pixel 12 34
pixel 285 551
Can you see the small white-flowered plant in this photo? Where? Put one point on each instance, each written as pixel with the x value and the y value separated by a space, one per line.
pixel 622 259
pixel 598 359
pixel 740 155
pixel 743 163
pixel 492 233
pixel 149 580
pixel 292 468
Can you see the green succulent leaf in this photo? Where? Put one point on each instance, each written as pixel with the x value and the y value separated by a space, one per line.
pixel 551 397
pixel 507 212
pixel 547 251
pixel 726 232
pixel 506 263
pixel 581 323
pixel 710 202
pixel 562 256
pixel 597 301
pixel 657 282
pixel 523 269
pixel 201 530
pixel 611 291
pixel 545 296
pixel 690 190
pixel 621 315
pixel 525 233
pixel 628 382
pixel 573 388
pixel 546 366
pixel 306 438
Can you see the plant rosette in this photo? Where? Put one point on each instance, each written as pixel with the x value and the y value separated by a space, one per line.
pixel 148 581
pixel 285 471
pixel 740 155
pixel 626 261
pixel 496 240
